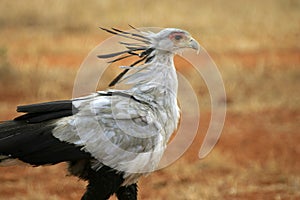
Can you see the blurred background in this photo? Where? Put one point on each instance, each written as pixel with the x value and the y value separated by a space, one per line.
pixel 256 47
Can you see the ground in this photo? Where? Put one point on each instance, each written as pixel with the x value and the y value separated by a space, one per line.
pixel 256 48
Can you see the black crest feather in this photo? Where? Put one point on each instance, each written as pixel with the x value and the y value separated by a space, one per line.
pixel 141 50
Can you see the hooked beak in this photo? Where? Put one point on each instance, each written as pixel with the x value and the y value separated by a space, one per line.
pixel 194 45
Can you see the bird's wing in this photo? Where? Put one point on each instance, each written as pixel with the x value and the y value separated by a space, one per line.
pixel 29 137
pixel 115 128
pixel 45 111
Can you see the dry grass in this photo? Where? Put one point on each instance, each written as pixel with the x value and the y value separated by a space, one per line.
pixel 256 47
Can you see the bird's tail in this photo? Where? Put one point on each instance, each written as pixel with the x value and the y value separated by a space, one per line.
pixel 18 140
pixel 33 143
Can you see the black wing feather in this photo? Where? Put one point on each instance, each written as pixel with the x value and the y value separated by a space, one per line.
pixel 35 144
pixel 44 116
pixel 29 136
pixel 40 112
pixel 46 106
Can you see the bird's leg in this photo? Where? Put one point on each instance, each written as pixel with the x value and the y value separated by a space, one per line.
pixel 102 183
pixel 127 192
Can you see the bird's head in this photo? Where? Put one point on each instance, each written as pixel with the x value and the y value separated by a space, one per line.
pixel 147 45
pixel 172 40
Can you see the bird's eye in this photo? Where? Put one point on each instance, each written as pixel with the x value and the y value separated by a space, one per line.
pixel 178 37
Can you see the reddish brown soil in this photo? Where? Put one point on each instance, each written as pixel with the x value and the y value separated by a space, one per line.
pixel 264 140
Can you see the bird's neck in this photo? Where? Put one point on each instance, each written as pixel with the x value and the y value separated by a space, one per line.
pixel 156 84
pixel 157 79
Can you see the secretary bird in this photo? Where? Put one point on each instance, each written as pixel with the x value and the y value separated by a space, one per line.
pixel 113 137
